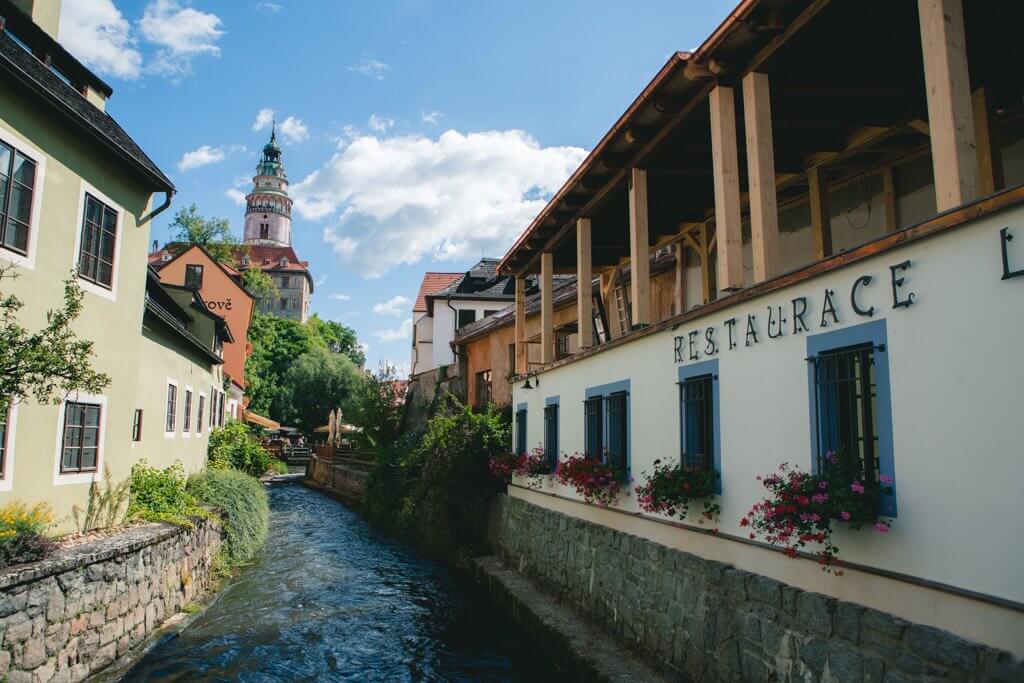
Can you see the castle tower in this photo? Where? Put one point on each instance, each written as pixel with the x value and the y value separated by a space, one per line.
pixel 268 209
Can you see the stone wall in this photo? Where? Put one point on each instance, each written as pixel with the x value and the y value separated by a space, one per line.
pixel 347 481
pixel 704 620
pixel 67 617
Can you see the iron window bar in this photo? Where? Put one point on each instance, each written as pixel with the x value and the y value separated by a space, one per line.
pixel 844 396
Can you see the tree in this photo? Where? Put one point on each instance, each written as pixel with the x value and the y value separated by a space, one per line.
pixel 276 343
pixel 50 363
pixel 376 407
pixel 213 234
pixel 258 283
pixel 337 338
pixel 318 382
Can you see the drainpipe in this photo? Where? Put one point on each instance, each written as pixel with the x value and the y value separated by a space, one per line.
pixel 455 326
pixel 158 210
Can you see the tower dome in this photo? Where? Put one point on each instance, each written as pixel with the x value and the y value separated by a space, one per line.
pixel 268 208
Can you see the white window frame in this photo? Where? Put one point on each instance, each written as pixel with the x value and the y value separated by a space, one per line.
pixel 27 261
pixel 177 401
pixel 7 482
pixel 199 423
pixel 86 285
pixel 186 406
pixel 80 477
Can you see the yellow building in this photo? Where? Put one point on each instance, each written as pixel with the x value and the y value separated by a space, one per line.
pixel 78 196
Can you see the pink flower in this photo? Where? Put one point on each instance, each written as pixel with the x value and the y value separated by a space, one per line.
pixel 881 527
pixel 857 487
pixel 885 479
pixel 845 516
pixel 819 498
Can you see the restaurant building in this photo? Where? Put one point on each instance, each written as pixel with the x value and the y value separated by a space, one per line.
pixel 839 187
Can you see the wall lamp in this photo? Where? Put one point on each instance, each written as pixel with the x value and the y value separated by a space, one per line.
pixel 536 382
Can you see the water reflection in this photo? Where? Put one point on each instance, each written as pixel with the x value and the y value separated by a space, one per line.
pixel 329 600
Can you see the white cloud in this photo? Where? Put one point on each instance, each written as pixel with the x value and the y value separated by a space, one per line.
pixel 394 306
pixel 403 331
pixel 269 7
pixel 396 200
pixel 363 346
pixel 236 193
pixel 264 117
pixel 433 118
pixel 203 156
pixel 371 68
pixel 381 123
pixel 182 33
pixel 319 282
pixel 95 32
pixel 340 297
pixel 293 129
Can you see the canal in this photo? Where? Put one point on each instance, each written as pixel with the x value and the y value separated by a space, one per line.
pixel 330 600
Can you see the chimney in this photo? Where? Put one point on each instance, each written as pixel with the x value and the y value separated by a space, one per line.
pixel 45 14
pixel 156 247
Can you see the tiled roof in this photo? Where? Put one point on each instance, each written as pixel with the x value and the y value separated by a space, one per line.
pixel 25 68
pixel 433 283
pixel 563 287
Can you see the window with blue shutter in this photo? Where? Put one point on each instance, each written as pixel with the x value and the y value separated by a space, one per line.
pixel 699 434
pixel 521 430
pixel 551 431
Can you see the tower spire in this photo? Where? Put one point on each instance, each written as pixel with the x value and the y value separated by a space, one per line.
pixel 273 130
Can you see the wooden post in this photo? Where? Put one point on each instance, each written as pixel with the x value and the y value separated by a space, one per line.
pixel 725 162
pixel 680 292
pixel 990 162
pixel 950 119
pixel 521 348
pixel 889 198
pixel 639 248
pixel 584 289
pixel 821 220
pixel 547 334
pixel 764 209
pixel 705 264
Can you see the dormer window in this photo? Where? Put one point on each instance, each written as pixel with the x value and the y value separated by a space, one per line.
pixel 246 260
pixel 283 262
pixel 165 257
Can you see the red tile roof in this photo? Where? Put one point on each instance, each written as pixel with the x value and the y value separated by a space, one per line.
pixel 433 283
pixel 268 258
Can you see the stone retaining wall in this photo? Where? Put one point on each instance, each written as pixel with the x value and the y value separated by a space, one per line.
pixel 67 617
pixel 704 620
pixel 348 483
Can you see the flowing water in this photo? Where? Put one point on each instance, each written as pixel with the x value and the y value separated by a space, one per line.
pixel 330 600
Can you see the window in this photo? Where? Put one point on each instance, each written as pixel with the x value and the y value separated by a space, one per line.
pixel 618 436
pixel 521 430
pixel 488 314
pixel 551 431
pixel 96 252
pixel 194 276
pixel 511 359
pixel 561 345
pixel 850 402
pixel 284 303
pixel 695 414
pixel 17 186
pixel 220 409
pixel 284 282
pixel 5 420
pixel 465 318
pixel 264 231
pixel 137 425
pixel 594 437
pixel 213 407
pixel 80 441
pixel 199 413
pixel 172 407
pixel 483 390
pixel 600 320
pixel 187 426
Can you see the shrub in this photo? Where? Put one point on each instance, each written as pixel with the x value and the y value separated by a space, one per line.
pixel 233 445
pixel 241 500
pixel 804 508
pixel 278 466
pixel 107 505
pixel 23 533
pixel 592 478
pixel 671 486
pixel 160 495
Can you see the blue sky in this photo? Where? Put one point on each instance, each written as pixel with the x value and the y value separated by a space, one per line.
pixel 418 135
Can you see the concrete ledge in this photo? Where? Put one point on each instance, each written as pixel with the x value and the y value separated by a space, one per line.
pixel 582 651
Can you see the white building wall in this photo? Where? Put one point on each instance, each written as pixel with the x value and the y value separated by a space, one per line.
pixel 957 381
pixel 444 324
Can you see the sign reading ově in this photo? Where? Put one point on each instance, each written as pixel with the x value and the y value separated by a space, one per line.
pixel 224 305
pixel 704 342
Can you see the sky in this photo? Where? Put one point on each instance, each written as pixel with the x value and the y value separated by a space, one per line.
pixel 417 134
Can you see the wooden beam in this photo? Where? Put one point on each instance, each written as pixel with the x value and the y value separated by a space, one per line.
pixel 950 118
pixel 705 264
pixel 679 302
pixel 639 248
pixel 764 209
pixel 791 29
pixel 889 199
pixel 990 162
pixel 521 348
pixel 725 163
pixel 821 220
pixel 547 335
pixel 584 276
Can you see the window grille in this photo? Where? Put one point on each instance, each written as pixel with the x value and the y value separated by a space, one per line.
pixel 80 441
pixel 172 406
pixel 594 437
pixel 520 432
pixel 696 414
pixel 551 433
pixel 845 396
pixel 618 438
